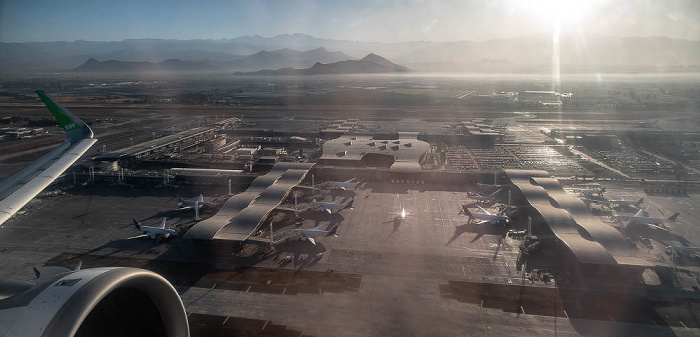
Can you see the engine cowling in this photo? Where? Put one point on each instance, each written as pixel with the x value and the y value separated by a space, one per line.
pixel 95 302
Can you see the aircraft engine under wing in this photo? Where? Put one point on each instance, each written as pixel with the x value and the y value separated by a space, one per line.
pixel 93 302
pixel 21 187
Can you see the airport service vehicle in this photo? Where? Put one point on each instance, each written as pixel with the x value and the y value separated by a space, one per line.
pixel 484 216
pixel 18 189
pixel 311 234
pixel 190 204
pixel 153 232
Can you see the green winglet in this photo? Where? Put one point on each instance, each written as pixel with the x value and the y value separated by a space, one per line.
pixel 74 126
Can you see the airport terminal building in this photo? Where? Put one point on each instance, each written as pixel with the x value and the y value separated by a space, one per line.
pixel 595 250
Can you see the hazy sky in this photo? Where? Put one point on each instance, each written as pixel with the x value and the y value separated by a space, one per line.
pixel 385 21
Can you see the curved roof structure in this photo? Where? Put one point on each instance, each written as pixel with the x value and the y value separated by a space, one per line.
pixel 242 214
pixel 570 220
pixel 407 150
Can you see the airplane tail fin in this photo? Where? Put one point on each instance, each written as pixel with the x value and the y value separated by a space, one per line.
pixel 333 231
pixel 162 223
pixel 673 217
pixel 78 266
pixel 639 202
pixel 137 224
pixel 466 211
pixel 602 189
pixel 75 128
pixel 201 198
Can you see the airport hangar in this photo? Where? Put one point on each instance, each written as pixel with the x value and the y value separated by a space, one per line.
pixel 600 253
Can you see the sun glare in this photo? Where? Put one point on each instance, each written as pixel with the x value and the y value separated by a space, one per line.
pixel 560 14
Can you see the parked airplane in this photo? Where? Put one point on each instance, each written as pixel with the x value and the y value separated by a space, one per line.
pixel 310 234
pixel 484 216
pixel 327 206
pixel 640 218
pixel 190 204
pixel 592 190
pixel 352 183
pixel 484 199
pixel 17 189
pixel 626 203
pixel 153 232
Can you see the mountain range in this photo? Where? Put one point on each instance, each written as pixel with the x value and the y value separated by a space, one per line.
pixel 369 64
pixel 251 53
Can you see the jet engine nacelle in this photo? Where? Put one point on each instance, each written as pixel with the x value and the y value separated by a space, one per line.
pixel 93 302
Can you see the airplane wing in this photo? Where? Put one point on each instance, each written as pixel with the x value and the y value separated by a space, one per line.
pixel 483 210
pixel 322 226
pixel 18 189
pixel 657 227
pixel 137 236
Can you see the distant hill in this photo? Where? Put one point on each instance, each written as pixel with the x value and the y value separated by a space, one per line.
pixel 112 66
pixel 285 58
pixel 369 64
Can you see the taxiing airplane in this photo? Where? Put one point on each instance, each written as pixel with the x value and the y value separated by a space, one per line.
pixel 310 234
pixel 21 187
pixel 484 216
pixel 626 203
pixel 190 204
pixel 153 232
pixel 352 183
pixel 327 206
pixel 640 218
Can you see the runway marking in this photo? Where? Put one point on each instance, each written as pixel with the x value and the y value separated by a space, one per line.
pixel 251 286
pixel 226 320
pixel 284 290
pixel 567 315
pixel 522 309
pixel 264 325
pixel 684 325
pixel 214 286
pixel 614 319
